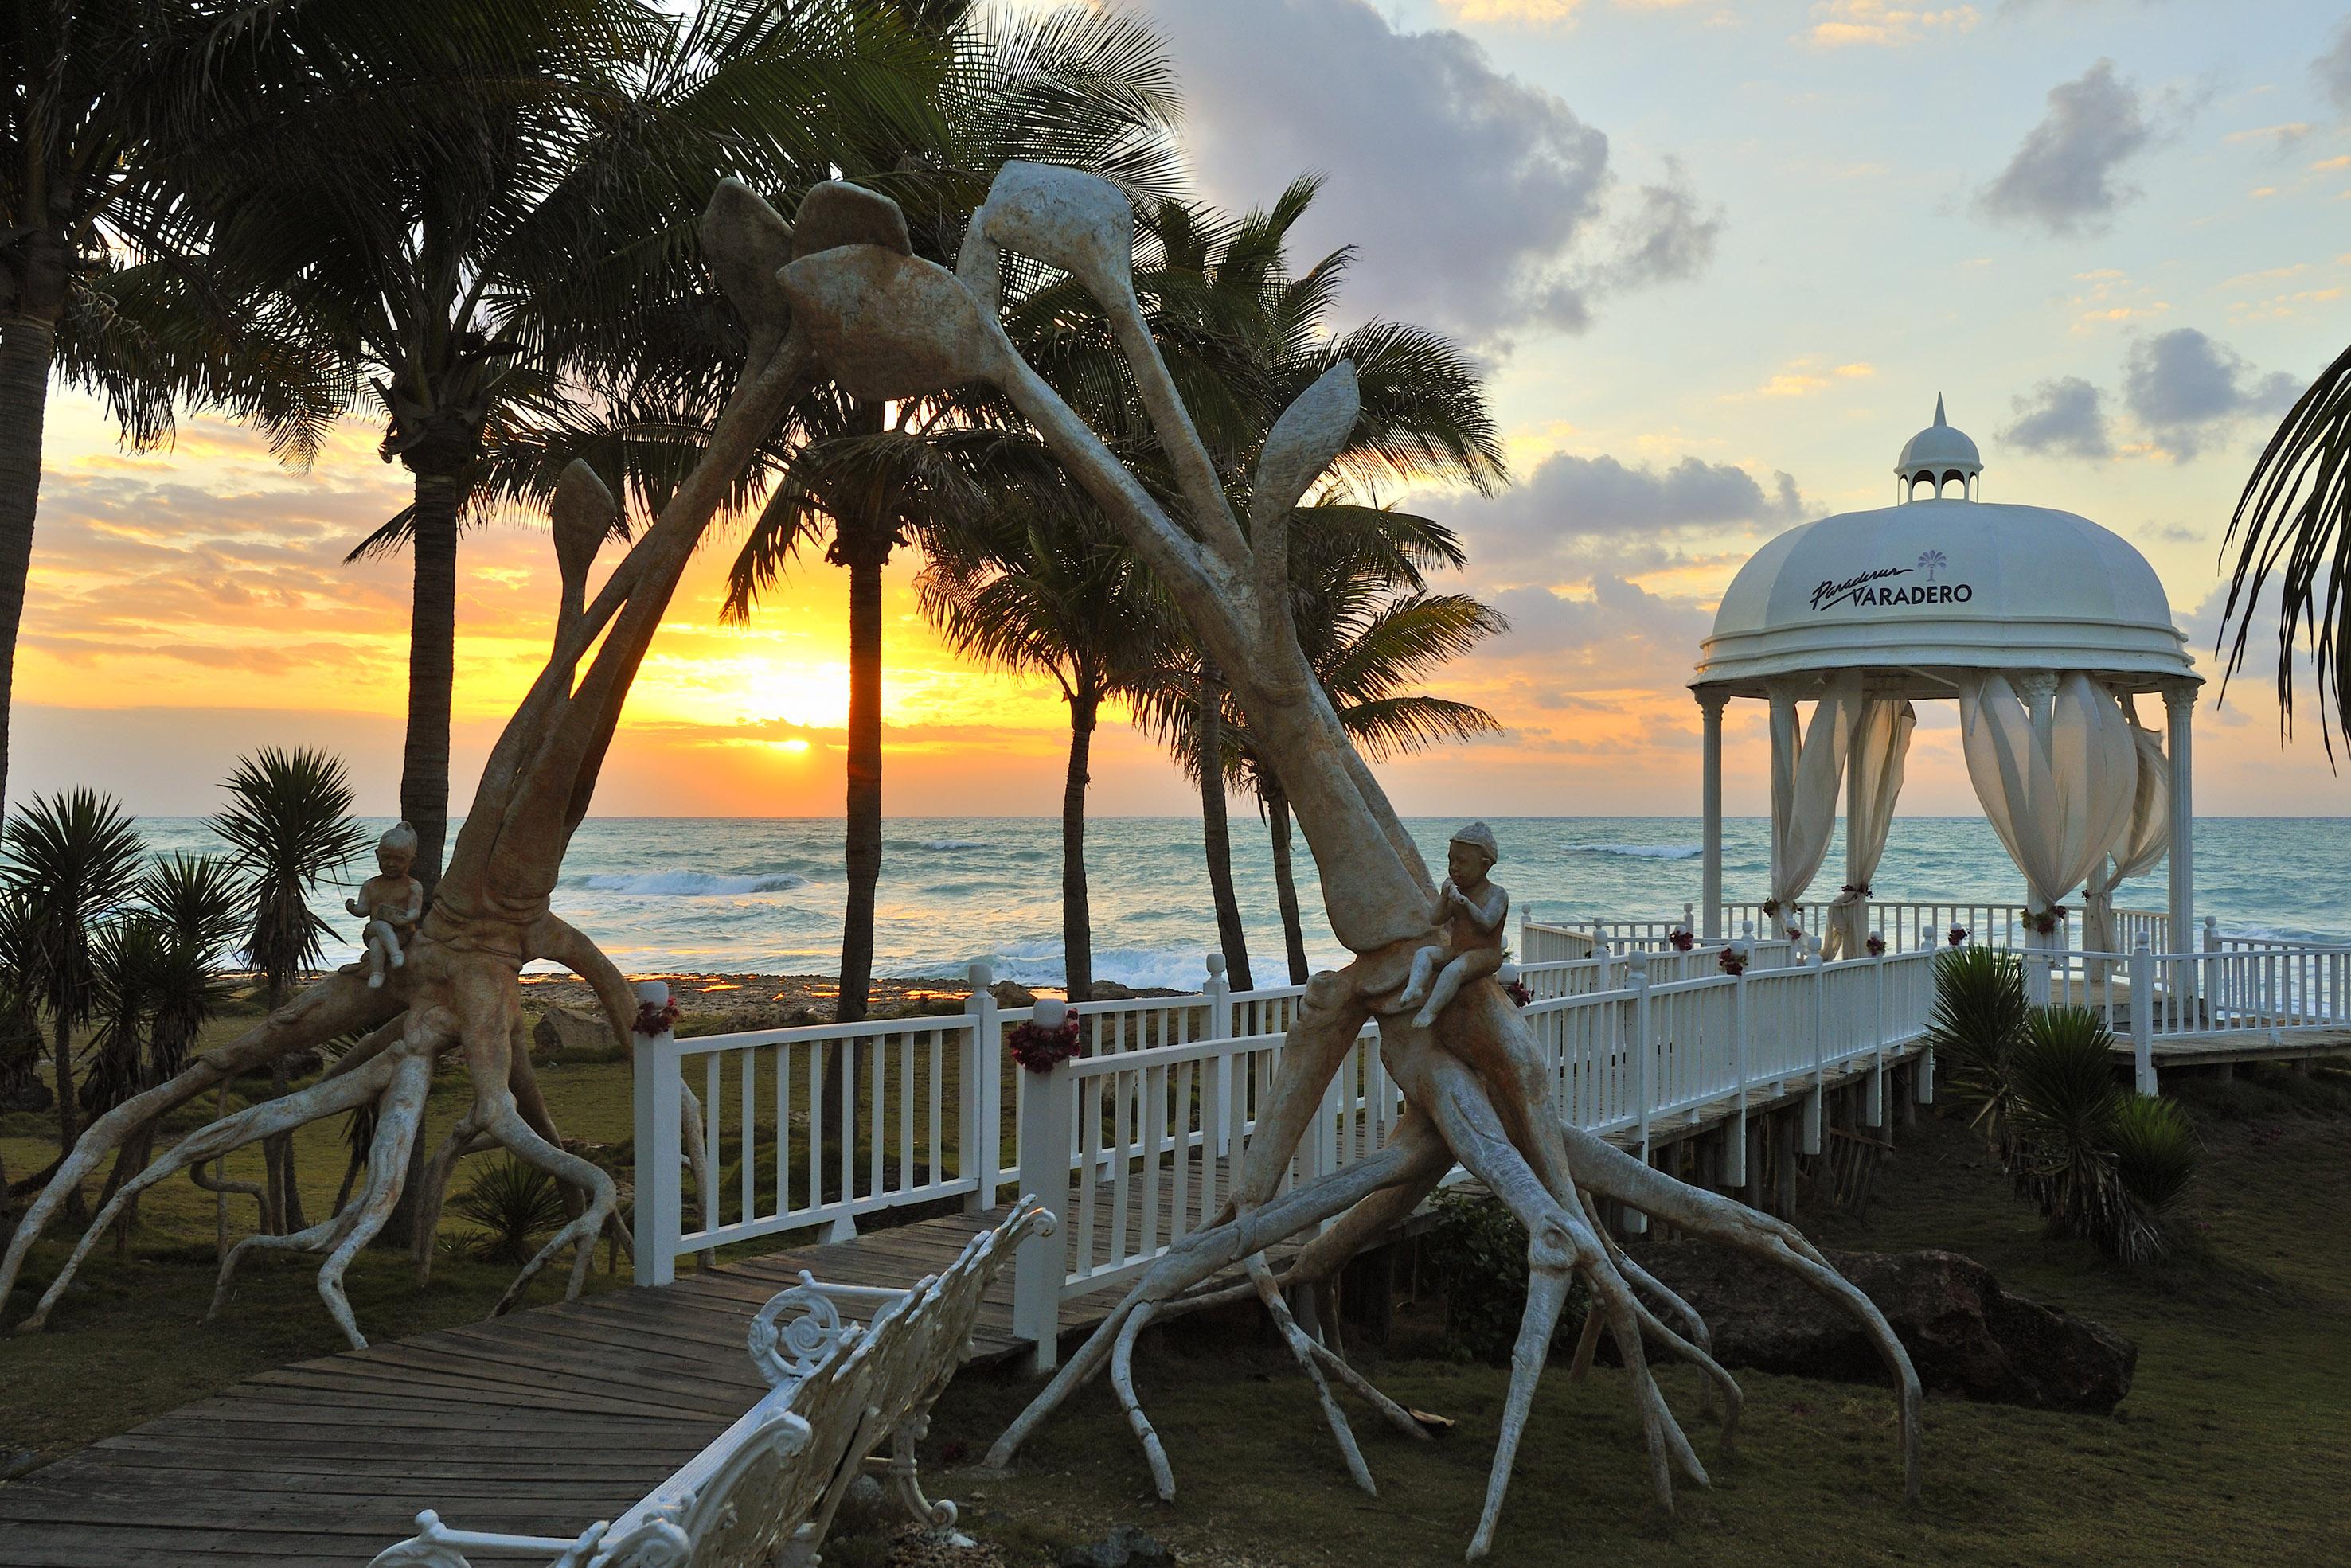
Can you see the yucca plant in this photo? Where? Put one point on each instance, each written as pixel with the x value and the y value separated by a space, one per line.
pixel 288 823
pixel 1979 1015
pixel 2063 1108
pixel 2154 1151
pixel 73 860
pixel 21 1088
pixel 514 1204
pixel 195 900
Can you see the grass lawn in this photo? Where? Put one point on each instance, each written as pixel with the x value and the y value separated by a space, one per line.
pixel 2233 1448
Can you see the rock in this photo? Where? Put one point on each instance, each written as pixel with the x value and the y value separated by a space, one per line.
pixel 1127 1546
pixel 1013 994
pixel 1964 1332
pixel 864 1507
pixel 562 1035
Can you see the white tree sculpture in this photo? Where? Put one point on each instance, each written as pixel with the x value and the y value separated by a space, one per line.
pixel 841 290
pixel 1479 1089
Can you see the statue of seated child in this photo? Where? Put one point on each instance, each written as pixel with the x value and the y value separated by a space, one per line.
pixel 393 900
pixel 1471 911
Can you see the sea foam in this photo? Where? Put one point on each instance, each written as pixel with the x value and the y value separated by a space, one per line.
pixel 1650 852
pixel 692 883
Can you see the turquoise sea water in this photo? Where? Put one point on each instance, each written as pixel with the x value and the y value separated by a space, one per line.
pixel 763 894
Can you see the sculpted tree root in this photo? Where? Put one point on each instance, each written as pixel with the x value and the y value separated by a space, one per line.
pixel 1478 1087
pixel 458 989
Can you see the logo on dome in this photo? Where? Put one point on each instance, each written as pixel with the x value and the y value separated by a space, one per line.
pixel 1872 588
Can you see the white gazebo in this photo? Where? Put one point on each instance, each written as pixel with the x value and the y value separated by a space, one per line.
pixel 2043 625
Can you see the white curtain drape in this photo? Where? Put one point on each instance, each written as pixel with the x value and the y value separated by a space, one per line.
pixel 2056 770
pixel 1875 759
pixel 1805 778
pixel 2146 839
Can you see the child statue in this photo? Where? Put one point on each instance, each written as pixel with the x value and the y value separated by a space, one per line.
pixel 1471 910
pixel 392 901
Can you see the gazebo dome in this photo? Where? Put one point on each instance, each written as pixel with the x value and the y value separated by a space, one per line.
pixel 1919 590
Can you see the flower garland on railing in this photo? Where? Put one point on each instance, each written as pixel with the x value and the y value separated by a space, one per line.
pixel 1683 941
pixel 2043 921
pixel 654 1019
pixel 1041 1050
pixel 1515 989
pixel 1771 908
pixel 1956 935
pixel 1876 945
pixel 1731 961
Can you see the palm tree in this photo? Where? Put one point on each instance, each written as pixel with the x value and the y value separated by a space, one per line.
pixel 518 225
pixel 2292 522
pixel 1371 630
pixel 1076 86
pixel 1054 593
pixel 1244 336
pixel 73 859
pixel 102 279
pixel 288 824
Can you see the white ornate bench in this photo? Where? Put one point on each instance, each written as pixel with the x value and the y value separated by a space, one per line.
pixel 766 1489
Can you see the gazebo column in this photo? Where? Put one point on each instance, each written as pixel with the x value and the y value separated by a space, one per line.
pixel 1787 745
pixel 2180 716
pixel 1711 704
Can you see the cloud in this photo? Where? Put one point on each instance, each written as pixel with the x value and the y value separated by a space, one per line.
pixel 1885 24
pixel 1620 616
pixel 2183 386
pixel 1486 206
pixel 2067 416
pixel 2063 177
pixel 2332 67
pixel 1573 511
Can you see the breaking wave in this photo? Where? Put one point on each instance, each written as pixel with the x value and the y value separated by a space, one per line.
pixel 693 883
pixel 1649 851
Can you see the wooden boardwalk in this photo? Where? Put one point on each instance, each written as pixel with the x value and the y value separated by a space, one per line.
pixel 538 1423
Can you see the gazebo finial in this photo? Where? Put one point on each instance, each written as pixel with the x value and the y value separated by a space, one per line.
pixel 1938 410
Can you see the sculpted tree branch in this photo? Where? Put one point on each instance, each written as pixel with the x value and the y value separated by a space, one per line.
pixel 457 989
pixel 1478 1087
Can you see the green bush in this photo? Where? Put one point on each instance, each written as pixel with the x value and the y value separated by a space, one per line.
pixel 2154 1151
pixel 1979 1019
pixel 514 1204
pixel 1476 1254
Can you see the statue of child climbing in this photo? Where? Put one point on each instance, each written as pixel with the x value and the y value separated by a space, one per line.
pixel 393 902
pixel 1471 910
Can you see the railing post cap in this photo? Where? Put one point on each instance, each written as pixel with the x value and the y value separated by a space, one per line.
pixel 1747 929
pixel 2211 922
pixel 1507 973
pixel 1216 963
pixel 654 992
pixel 1638 961
pixel 982 974
pixel 2141 945
pixel 1049 1012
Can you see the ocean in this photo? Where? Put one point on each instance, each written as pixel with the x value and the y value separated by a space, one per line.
pixel 765 894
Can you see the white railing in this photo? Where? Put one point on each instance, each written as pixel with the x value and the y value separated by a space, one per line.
pixel 815 1127
pixel 1133 1141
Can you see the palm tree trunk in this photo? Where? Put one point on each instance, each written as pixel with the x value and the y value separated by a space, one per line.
pixel 277 1153
pixel 1215 830
pixel 28 345
pixel 863 846
pixel 431 671
pixel 1285 881
pixel 1077 912
pixel 68 1103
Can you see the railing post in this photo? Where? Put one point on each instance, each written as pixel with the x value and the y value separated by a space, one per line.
pixel 1637 964
pixel 2142 1021
pixel 1046 1113
pixel 1925 1087
pixel 983 1095
pixel 1812 1099
pixel 1734 1144
pixel 1219 992
pixel 1876 1109
pixel 660 1187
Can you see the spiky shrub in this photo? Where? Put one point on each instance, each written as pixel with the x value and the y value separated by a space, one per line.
pixel 2154 1151
pixel 2063 1107
pixel 514 1204
pixel 1978 1018
pixel 289 821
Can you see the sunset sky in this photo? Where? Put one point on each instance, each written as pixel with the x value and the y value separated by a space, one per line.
pixel 1721 255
